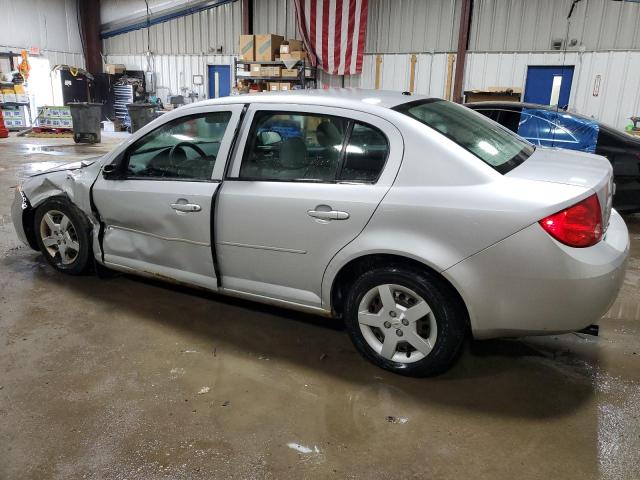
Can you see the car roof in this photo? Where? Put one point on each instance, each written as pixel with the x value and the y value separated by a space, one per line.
pixel 356 98
pixel 497 104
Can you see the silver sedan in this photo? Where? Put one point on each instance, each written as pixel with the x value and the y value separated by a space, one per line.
pixel 416 220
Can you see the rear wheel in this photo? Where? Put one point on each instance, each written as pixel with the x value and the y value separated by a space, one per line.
pixel 62 232
pixel 405 321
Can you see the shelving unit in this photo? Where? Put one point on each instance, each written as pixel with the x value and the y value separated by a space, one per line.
pixel 305 81
pixel 122 95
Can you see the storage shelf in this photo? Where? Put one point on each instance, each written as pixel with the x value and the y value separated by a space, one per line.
pixel 271 62
pixel 14 104
pixel 284 79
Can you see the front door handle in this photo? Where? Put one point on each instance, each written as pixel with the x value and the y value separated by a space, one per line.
pixel 186 207
pixel 328 214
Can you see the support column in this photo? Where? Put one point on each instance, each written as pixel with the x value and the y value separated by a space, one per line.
pixel 463 45
pixel 90 34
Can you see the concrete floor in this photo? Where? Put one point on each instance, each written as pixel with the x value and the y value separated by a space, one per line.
pixel 126 378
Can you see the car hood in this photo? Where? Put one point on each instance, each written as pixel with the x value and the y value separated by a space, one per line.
pixel 69 166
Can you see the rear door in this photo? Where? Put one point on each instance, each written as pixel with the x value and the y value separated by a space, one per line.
pixel 304 183
pixel 157 210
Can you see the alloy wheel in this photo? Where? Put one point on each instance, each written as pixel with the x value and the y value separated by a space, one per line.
pixel 397 323
pixel 59 237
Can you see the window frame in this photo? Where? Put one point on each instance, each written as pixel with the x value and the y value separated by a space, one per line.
pixel 126 154
pixel 249 127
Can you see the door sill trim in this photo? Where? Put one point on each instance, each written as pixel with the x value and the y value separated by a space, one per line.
pixel 276 301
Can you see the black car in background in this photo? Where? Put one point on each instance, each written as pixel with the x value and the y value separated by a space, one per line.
pixel 544 125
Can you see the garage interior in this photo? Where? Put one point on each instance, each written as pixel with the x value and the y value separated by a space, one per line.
pixel 116 376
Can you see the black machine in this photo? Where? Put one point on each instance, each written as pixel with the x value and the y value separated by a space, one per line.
pixel 75 88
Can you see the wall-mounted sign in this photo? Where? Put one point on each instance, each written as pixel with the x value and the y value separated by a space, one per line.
pixel 198 79
pixel 596 85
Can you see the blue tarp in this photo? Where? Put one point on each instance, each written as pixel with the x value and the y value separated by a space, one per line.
pixel 549 128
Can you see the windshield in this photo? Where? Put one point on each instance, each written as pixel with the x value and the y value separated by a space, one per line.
pixel 490 142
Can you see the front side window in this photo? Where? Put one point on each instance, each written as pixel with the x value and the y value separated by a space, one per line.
pixel 494 145
pixel 288 146
pixel 184 149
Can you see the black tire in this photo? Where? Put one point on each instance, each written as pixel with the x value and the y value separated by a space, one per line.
pixel 449 313
pixel 81 228
pixel 76 138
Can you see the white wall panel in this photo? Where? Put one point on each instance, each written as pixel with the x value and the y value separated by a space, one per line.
pixel 619 96
pixel 430 76
pixel 50 25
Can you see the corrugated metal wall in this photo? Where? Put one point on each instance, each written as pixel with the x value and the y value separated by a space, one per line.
pixel 174 73
pixel 532 25
pixel 275 16
pixel 394 26
pixel 412 26
pixel 182 47
pixel 201 33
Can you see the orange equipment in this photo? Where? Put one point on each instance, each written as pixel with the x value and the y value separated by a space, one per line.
pixel 4 133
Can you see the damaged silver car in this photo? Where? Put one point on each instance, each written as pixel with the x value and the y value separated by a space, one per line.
pixel 416 220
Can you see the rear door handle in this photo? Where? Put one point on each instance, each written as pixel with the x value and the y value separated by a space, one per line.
pixel 186 207
pixel 328 214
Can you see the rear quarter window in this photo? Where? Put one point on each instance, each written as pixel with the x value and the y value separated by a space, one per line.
pixel 494 145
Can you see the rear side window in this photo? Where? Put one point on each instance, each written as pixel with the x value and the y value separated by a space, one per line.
pixel 365 154
pixel 494 145
pixel 288 146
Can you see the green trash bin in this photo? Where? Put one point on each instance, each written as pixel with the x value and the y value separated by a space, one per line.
pixel 86 121
pixel 140 114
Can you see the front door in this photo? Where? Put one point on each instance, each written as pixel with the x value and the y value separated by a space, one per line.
pixel 304 183
pixel 549 85
pixel 219 81
pixel 157 207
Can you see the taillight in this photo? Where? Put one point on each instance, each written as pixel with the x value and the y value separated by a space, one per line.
pixel 577 226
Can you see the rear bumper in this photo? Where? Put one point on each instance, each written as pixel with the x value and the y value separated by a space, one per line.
pixel 17 209
pixel 530 284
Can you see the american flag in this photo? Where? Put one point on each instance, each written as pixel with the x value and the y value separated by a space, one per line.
pixel 333 32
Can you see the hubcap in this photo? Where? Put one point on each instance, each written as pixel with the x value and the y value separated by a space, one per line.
pixel 59 237
pixel 397 323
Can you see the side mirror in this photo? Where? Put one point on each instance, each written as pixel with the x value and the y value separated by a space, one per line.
pixel 110 171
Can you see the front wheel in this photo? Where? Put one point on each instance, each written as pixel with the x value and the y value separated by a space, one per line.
pixel 409 322
pixel 62 232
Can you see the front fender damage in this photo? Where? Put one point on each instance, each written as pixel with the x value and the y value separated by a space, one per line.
pixel 74 184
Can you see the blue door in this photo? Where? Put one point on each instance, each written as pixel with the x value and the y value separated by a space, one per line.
pixel 548 85
pixel 219 81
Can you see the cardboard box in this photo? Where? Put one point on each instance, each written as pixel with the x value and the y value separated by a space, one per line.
pixel 22 98
pixel 255 70
pixel 113 68
pixel 248 47
pixel 273 86
pixel 267 46
pixel 293 56
pixel 496 94
pixel 289 72
pixel 291 45
pixel 268 71
pixel 10 97
pixel 284 86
